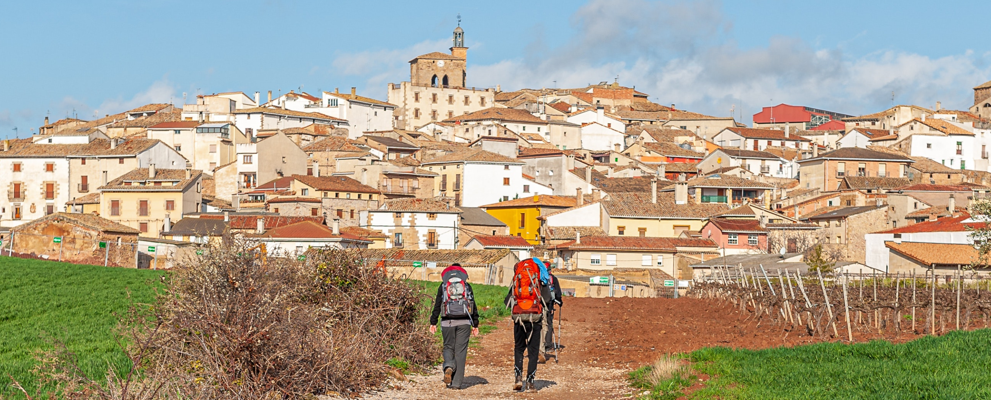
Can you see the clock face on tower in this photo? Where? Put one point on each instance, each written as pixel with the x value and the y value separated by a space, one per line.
pixel 440 63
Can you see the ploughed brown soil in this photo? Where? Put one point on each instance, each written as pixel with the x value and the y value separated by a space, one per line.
pixel 604 339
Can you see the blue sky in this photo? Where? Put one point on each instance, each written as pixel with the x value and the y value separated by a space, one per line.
pixel 99 57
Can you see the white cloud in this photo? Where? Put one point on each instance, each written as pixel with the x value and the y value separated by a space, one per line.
pixel 383 66
pixel 161 91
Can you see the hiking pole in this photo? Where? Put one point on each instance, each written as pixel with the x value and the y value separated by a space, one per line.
pixel 557 344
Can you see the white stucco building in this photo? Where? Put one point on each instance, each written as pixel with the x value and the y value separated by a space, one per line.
pixel 415 224
pixel 477 177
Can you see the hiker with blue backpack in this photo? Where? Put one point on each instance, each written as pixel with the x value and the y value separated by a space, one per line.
pixel 527 305
pixel 455 305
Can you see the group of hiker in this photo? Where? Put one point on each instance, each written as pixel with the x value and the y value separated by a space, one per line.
pixel 533 293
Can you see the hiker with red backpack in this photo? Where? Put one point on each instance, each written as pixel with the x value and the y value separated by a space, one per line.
pixel 527 304
pixel 551 292
pixel 455 305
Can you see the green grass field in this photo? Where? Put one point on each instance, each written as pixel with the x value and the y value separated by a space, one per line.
pixel 954 366
pixel 74 303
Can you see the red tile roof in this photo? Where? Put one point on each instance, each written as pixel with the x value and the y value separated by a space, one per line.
pixel 635 243
pixel 176 124
pixel 774 134
pixel 936 253
pixel 335 184
pixel 250 222
pixel 306 230
pixel 951 224
pixel 925 187
pixel 737 225
pixel 293 199
pixel 499 114
pixel 502 241
pixel 544 200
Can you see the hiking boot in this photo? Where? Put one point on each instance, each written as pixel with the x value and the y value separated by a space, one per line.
pixel 529 385
pixel 518 386
pixel 448 375
pixel 541 358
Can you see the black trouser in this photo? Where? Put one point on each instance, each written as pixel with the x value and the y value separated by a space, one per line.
pixel 456 350
pixel 548 329
pixel 527 335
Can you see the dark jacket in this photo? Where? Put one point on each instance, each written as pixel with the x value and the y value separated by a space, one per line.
pixel 545 291
pixel 439 301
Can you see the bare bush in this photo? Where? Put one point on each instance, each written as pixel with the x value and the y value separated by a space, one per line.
pixel 666 367
pixel 232 324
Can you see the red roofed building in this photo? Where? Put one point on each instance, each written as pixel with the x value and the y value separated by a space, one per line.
pixel 520 246
pixel 736 236
pixel 759 139
pixel 796 117
pixel 294 240
pixel 949 230
pixel 633 252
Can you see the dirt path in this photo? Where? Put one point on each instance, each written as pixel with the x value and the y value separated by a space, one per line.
pixel 604 339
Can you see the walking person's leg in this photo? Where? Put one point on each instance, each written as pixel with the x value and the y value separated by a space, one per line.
pixel 519 336
pixel 548 330
pixel 450 365
pixel 463 332
pixel 532 349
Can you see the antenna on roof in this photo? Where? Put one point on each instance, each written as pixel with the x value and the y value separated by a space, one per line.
pixel 16 136
pixel 459 19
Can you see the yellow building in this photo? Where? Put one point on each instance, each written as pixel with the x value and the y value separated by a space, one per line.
pixel 145 197
pixel 521 215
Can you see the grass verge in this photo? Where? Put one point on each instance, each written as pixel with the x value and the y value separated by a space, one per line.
pixel 663 380
pixel 77 304
pixel 950 366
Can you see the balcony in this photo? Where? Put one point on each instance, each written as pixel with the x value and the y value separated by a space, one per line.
pixel 714 199
pixel 16 196
pixel 984 155
pixel 83 187
pixel 765 170
pixel 403 189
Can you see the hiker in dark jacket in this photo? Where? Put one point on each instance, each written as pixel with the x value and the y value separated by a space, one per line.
pixel 454 328
pixel 552 295
pixel 526 335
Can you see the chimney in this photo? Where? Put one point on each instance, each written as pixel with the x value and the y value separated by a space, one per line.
pixel 939 106
pixel 316 169
pixel 6 145
pixel 797 214
pixel 952 205
pixel 269 96
pixel 260 229
pixel 662 171
pixel 151 171
pixel 763 221
pixel 815 150
pixel 681 192
pixel 579 197
pixel 354 92
pixel 578 237
pixel 258 98
pixel 46 120
pixel 227 216
pixel 653 190
pixel 787 130
pixel 337 91
pixel 189 172
pixel 168 223
pixel 113 143
pixel 596 195
pixel 923 117
pixel 600 114
pixel 336 228
pixel 588 174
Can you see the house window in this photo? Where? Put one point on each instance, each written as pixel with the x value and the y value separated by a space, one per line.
pixel 522 220
pixel 467 101
pixel 49 191
pixel 643 232
pixel 416 97
pixel 839 239
pixel 352 214
pixel 82 161
pixel 840 169
pixel 752 240
pixel 169 205
pixel 432 216
pixel 505 181
pixel 275 210
pixel 734 238
pixel 433 98
pixel 305 192
pixel 347 195
pixel 959 148
pixel 397 215
pixel 178 147
pixel 929 145
pixel 340 213
pixel 247 159
pixel 596 259
pixel 432 239
pixel 610 259
pixel 526 188
pixel 143 208
pixel 620 230
pixel 397 240
pixel 143 227
pixel 49 167
pixel 50 209
pixel 120 160
pixel 313 211
pixel 17 167
pixel 416 113
pixel 506 167
pixel 333 102
pixel 115 207
pixel 481 101
pixel 433 115
pixel 882 170
pixel 646 260
pixel 17 213
pixel 450 99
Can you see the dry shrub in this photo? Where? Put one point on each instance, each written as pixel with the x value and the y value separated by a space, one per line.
pixel 665 368
pixel 230 326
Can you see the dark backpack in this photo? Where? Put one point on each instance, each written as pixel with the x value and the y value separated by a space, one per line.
pixel 526 288
pixel 457 295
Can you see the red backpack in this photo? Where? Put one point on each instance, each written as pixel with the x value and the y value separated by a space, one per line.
pixel 526 288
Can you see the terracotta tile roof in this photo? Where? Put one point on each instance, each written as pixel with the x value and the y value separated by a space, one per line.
pixel 958 223
pixel 304 95
pixel 389 142
pixel 502 241
pixel 470 155
pixel 151 120
pixel 796 225
pixel 941 126
pixel 568 232
pixel 311 129
pixel 433 205
pixel 363 233
pixel 250 222
pixel 92 198
pixel 939 211
pixel 198 227
pixel 544 200
pixel 138 180
pixel 477 216
pixel 879 115
pixel 635 243
pixel 774 134
pixel 539 152
pixel 666 134
pixel 857 153
pixel 680 167
pixel 723 181
pixel 561 106
pixel 335 184
pixel 306 230
pixel 91 221
pixel 872 182
pixel 498 114
pixel 925 187
pixel 740 153
pixel 786 153
pixel 872 133
pixel 294 199
pixel 930 254
pixel 883 138
pixel 671 149
pixel 360 99
pixel 436 56
pixel 927 165
pixel 150 107
pixel 741 211
pixel 176 125
pixel 274 185
pixel 288 113
pixel 737 225
pixel 844 212
pixel 443 258
pixel 639 205
pixel 24 148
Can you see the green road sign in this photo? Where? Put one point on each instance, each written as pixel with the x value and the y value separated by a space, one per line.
pixel 151 249
pixel 199 252
pixel 57 239
pixel 598 280
pixel 417 264
pixel 103 245
pixel 301 257
pixel 668 283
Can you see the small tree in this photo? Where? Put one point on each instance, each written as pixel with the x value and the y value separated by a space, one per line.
pixel 981 235
pixel 817 260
